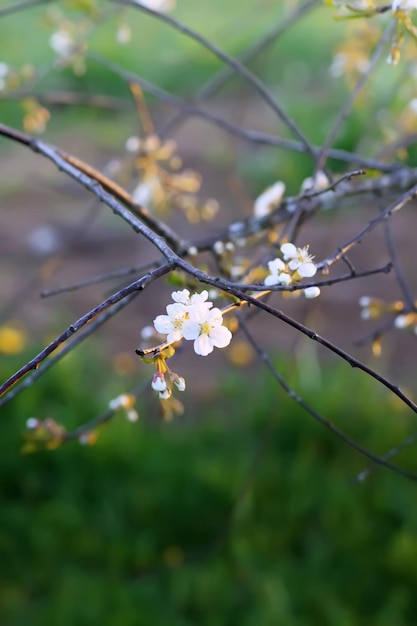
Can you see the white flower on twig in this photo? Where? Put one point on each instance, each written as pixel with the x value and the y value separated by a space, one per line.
pixel 191 317
pixel 299 260
pixel 297 264
pixel 278 273
pixel 205 327
pixel 184 297
pixel 311 292
pixel 172 323
pixel 159 382
pixel 269 199
pixel 179 382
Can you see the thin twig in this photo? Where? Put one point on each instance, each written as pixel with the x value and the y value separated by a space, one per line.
pixel 35 362
pixel 29 379
pixel 347 108
pixel 126 271
pixel 399 274
pixel 389 455
pixel 219 78
pixel 316 415
pixel 233 63
pixel 16 7
pixel 248 135
pixel 383 216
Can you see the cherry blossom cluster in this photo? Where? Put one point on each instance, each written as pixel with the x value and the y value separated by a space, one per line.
pixel 192 317
pixel 296 264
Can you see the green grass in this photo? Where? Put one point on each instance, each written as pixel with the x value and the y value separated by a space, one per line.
pixel 247 516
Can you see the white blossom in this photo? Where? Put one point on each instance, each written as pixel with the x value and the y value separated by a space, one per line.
pixel 32 423
pixel 172 323
pixel 124 401
pixel 366 314
pixel 311 292
pixel 132 144
pixel 404 5
pixel 402 321
pixel 269 199
pixel 163 6
pixel 165 394
pixel 204 326
pixel 365 301
pixel 371 307
pixel 191 317
pixel 278 273
pixel 184 297
pixel 4 71
pixel 299 260
pixel 147 332
pixel 143 194
pixel 62 43
pixel 413 105
pixel 159 382
pixel 315 183
pixel 179 382
pixel 132 415
pixel 218 247
pixel 123 34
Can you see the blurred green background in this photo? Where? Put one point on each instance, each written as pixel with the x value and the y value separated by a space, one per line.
pixel 245 513
pixel 295 68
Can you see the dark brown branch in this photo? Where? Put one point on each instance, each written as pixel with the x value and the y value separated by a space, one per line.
pixel 34 363
pixel 311 334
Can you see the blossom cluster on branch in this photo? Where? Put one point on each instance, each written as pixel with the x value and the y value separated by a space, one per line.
pixel 192 317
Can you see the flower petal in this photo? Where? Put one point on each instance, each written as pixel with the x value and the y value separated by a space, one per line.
pixel 311 292
pixel 307 270
pixel 289 251
pixel 220 337
pixel 203 345
pixel 181 296
pixel 190 329
pixel 162 324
